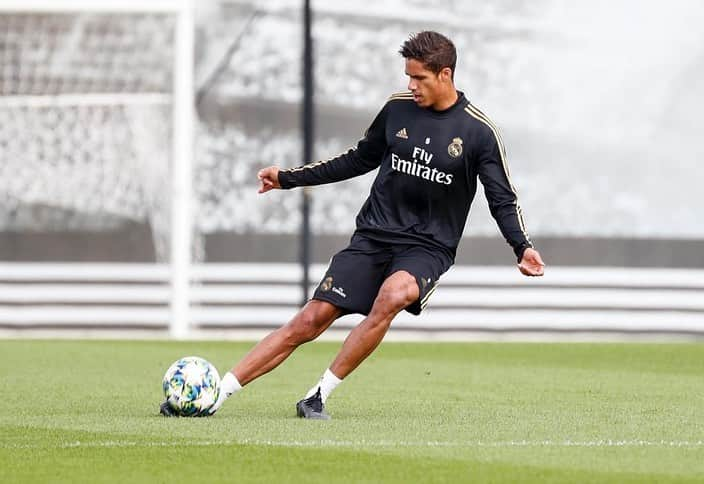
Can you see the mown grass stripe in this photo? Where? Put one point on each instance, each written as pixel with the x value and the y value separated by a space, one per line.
pixel 365 443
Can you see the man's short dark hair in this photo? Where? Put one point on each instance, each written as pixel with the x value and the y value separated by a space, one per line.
pixel 434 50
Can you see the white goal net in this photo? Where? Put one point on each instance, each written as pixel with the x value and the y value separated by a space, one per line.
pixel 87 112
pixel 96 122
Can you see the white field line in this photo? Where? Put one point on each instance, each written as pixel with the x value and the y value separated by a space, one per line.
pixel 373 444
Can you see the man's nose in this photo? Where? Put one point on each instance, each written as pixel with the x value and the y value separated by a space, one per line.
pixel 412 85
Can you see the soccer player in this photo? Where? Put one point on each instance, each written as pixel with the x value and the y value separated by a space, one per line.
pixel 430 144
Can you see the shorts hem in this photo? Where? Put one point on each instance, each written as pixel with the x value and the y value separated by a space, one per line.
pixel 345 308
pixel 413 309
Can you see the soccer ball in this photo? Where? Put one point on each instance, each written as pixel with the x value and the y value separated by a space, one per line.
pixel 191 386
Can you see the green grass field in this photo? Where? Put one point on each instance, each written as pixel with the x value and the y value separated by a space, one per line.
pixel 86 411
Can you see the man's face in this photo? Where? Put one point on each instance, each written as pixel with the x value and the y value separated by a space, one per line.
pixel 423 83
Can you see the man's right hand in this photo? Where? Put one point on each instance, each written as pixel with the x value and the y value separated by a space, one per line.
pixel 269 179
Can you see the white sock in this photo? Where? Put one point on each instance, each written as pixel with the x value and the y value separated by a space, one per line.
pixel 228 386
pixel 327 384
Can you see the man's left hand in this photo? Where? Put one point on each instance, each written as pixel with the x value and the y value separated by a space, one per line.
pixel 531 264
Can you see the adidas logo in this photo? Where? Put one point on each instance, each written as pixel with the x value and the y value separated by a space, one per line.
pixel 402 134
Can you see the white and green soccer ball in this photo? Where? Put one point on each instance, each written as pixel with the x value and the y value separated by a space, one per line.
pixel 191 386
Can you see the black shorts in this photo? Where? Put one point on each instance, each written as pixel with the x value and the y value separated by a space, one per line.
pixel 356 273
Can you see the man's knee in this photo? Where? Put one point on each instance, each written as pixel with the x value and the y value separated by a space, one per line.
pixel 307 325
pixel 398 291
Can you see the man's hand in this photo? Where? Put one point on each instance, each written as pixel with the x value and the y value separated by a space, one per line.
pixel 269 179
pixel 531 264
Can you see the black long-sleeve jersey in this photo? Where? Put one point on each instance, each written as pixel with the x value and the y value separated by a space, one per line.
pixel 428 163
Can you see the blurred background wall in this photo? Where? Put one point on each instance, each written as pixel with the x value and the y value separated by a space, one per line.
pixel 600 104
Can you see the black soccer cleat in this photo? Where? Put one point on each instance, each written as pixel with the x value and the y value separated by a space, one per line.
pixel 312 407
pixel 166 410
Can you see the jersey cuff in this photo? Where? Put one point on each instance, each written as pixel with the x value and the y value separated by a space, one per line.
pixel 285 180
pixel 520 249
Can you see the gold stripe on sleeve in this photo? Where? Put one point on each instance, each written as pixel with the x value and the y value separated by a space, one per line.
pixel 313 164
pixel 478 115
pixel 401 95
pixel 475 113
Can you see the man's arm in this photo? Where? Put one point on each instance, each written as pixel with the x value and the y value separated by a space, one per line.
pixel 365 157
pixel 493 172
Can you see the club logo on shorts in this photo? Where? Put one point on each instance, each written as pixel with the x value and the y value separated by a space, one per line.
pixel 326 285
pixel 455 148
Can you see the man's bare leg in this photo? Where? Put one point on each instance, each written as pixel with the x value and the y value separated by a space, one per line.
pixel 315 317
pixel 397 292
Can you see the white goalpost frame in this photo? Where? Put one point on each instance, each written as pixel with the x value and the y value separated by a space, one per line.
pixel 183 119
pixel 182 175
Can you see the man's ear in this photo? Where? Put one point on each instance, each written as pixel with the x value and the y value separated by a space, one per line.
pixel 445 74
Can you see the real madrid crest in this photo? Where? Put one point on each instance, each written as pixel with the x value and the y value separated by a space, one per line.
pixel 326 285
pixel 455 148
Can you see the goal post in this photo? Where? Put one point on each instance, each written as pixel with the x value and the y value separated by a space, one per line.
pixel 183 150
pixel 127 99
